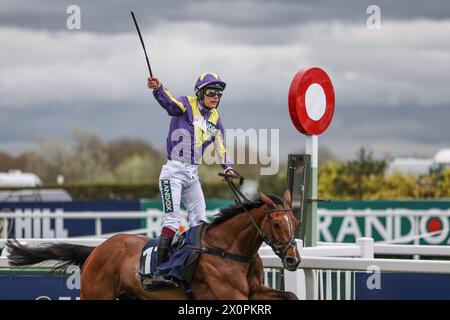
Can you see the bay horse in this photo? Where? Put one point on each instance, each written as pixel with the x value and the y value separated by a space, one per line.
pixel 110 270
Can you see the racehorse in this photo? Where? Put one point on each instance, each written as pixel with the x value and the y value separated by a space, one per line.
pixel 110 270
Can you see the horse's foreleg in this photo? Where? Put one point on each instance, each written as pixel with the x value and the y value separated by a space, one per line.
pixel 263 292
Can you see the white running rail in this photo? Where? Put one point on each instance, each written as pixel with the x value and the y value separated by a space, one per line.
pixel 313 279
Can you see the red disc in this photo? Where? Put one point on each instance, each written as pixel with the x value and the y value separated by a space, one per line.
pixel 434 224
pixel 297 105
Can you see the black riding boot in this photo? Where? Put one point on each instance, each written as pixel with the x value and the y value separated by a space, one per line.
pixel 162 256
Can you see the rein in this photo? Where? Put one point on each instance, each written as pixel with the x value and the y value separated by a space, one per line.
pixel 277 247
pixel 238 195
pixel 218 251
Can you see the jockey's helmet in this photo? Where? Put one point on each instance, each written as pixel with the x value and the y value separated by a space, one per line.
pixel 209 80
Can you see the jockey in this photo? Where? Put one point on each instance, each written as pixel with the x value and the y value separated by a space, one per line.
pixel 194 125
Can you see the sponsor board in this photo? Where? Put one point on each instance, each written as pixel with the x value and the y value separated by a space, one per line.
pixel 47 227
pixel 402 286
pixel 40 285
pixel 418 222
pixel 407 222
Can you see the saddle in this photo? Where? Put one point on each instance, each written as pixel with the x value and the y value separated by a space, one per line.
pixel 181 264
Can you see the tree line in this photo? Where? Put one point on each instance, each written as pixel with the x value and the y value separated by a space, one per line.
pixel 366 178
pixel 130 168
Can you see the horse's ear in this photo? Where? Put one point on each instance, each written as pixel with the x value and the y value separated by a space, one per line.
pixel 266 199
pixel 287 197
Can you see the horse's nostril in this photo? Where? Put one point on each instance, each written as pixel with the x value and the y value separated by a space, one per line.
pixel 289 261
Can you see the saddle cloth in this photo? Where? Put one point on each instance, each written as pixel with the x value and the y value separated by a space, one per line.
pixel 182 260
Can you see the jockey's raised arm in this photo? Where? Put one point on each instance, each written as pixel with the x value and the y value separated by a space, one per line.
pixel 173 106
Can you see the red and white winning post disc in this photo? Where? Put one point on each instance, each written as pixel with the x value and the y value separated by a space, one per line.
pixel 311 101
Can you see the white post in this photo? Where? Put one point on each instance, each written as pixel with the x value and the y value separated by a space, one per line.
pixel 5 228
pixel 348 285
pixel 98 227
pixel 329 291
pixel 312 148
pixel 295 281
pixel 310 284
pixel 366 245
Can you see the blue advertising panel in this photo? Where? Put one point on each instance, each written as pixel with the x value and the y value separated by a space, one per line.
pixel 39 227
pixel 39 287
pixel 402 286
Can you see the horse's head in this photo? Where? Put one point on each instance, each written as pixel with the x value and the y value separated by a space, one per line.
pixel 278 229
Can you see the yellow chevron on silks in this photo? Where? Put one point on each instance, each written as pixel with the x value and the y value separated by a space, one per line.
pixel 198 133
pixel 193 103
pixel 211 125
pixel 201 136
pixel 214 116
pixel 171 97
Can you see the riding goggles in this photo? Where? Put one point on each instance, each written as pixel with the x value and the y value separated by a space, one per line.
pixel 213 92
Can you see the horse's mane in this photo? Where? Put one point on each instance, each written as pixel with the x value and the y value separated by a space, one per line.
pixel 234 209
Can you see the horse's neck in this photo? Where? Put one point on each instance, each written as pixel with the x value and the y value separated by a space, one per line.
pixel 239 234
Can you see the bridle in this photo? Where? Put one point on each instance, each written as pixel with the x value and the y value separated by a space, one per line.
pixel 283 245
pixel 279 247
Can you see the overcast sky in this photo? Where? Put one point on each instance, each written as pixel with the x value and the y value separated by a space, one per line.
pixel 391 85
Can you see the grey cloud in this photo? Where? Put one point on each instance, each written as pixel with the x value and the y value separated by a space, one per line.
pixel 389 67
pixel 403 131
pixel 53 79
pixel 113 16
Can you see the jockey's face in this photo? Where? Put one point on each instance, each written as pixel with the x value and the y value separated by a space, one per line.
pixel 211 98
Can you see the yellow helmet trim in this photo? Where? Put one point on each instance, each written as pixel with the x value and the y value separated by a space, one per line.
pixel 203 75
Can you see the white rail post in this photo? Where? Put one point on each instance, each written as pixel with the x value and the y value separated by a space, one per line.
pixel 312 148
pixel 5 228
pixel 348 285
pixel 366 245
pixel 98 227
pixel 310 284
pixel 367 252
pixel 329 286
